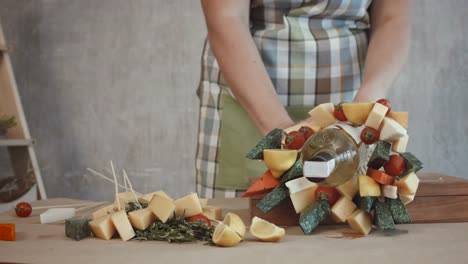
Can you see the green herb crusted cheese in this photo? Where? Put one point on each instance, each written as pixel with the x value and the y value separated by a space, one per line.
pixel 380 156
pixel 293 173
pixel 413 164
pixel 273 198
pixel 77 228
pixel 366 203
pixel 311 217
pixel 383 216
pixel 399 212
pixel 270 141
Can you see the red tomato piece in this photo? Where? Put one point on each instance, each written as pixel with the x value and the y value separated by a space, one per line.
pixel 395 166
pixel 200 218
pixel 294 140
pixel 339 114
pixel 306 131
pixel 370 135
pixel 23 209
pixel 332 194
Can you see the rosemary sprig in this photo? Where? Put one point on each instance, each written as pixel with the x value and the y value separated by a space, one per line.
pixel 7 122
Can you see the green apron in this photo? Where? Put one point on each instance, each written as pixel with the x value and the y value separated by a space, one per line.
pixel 238 134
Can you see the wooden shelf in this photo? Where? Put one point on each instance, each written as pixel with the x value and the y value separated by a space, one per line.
pixel 16 142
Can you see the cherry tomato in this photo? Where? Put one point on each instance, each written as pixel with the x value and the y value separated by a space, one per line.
pixel 395 165
pixel 369 135
pixel 200 218
pixel 339 114
pixel 386 103
pixel 306 131
pixel 23 209
pixel 331 192
pixel 294 140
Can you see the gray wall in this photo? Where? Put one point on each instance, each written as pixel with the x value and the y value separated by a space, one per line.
pixel 116 79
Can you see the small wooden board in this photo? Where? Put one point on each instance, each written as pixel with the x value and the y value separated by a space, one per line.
pixel 440 199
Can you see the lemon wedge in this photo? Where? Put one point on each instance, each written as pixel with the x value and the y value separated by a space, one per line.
pixel 235 223
pixel 224 236
pixel 279 160
pixel 266 231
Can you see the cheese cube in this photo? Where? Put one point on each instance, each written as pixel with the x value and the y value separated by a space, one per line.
pixel 390 191
pixel 349 188
pixel 408 185
pixel 400 145
pixel 162 207
pixel 342 209
pixel 360 221
pixel 147 197
pixel 391 130
pixel 400 117
pixel 203 202
pixel 106 210
pixel 301 200
pixel 407 198
pixel 300 184
pixel 56 215
pixel 124 198
pixel 77 228
pixel 323 114
pixel 102 227
pixel 357 113
pixel 122 225
pixel 141 219
pixel 7 232
pixel 368 186
pixel 213 213
pixel 376 116
pixel 188 205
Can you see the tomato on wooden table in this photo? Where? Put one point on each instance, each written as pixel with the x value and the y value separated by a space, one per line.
pixel 23 209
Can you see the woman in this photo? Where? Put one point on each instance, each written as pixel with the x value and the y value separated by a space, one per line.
pixel 267 62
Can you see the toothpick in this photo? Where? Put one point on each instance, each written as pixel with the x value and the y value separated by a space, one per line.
pixel 125 182
pixel 116 186
pixel 131 188
pixel 109 179
pixel 66 205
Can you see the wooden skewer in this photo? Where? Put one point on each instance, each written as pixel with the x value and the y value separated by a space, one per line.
pixel 109 179
pixel 66 205
pixel 116 186
pixel 131 188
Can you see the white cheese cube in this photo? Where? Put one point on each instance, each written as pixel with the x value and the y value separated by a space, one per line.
pixel 407 198
pixel 300 184
pixel 349 188
pixel 162 207
pixel 368 186
pixel 188 205
pixel 122 225
pixel 213 212
pixel 302 199
pixel 391 130
pixel 342 209
pixel 376 116
pixel 149 196
pixel 408 185
pixel 318 169
pixel 141 219
pixel 323 114
pixel 360 221
pixel 400 145
pixel 389 191
pixel 57 215
pixel 102 227
pixel 103 211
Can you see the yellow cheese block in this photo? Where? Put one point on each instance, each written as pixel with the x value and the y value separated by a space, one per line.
pixel 400 117
pixel 147 197
pixel 368 187
pixel 162 207
pixel 408 185
pixel 407 198
pixel 349 188
pixel 360 221
pixel 391 130
pixel 302 199
pixel 357 113
pixel 342 209
pixel 204 202
pixel 102 227
pixel 400 144
pixel 122 225
pixel 389 191
pixel 106 210
pixel 188 205
pixel 323 114
pixel 124 198
pixel 213 212
pixel 279 160
pixel 376 116
pixel 141 219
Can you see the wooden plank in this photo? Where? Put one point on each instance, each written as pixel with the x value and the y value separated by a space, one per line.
pixel 439 209
pixel 15 142
pixel 433 184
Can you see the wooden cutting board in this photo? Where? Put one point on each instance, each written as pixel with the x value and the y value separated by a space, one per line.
pixel 440 199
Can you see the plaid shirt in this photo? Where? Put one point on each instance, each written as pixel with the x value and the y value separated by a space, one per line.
pixel 313 51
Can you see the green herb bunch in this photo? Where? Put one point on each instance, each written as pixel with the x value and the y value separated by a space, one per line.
pixel 7 122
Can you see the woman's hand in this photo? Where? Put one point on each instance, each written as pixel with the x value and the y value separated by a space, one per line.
pixel 242 67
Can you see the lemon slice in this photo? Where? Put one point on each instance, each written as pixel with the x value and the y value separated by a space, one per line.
pixel 235 223
pixel 266 231
pixel 224 236
pixel 279 160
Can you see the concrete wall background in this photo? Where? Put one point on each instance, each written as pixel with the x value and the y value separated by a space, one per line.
pixel 116 79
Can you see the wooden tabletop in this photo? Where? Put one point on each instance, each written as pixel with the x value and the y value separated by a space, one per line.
pixel 424 243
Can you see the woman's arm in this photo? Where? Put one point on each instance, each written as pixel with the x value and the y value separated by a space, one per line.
pixel 388 47
pixel 229 36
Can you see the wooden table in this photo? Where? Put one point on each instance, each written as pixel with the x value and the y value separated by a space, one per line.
pixel 424 243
